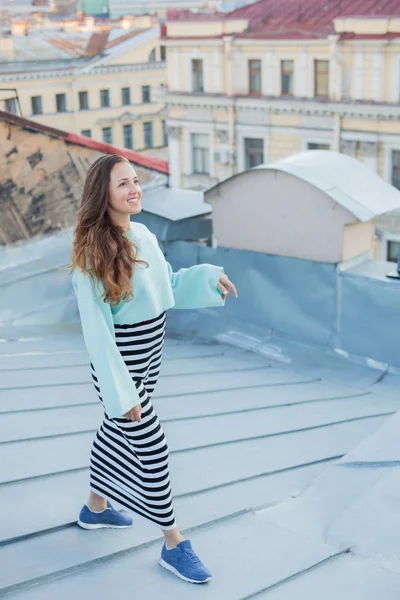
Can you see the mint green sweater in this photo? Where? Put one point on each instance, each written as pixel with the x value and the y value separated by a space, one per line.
pixel 155 289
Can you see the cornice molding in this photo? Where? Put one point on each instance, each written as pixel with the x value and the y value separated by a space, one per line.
pixel 271 42
pixel 309 107
pixel 99 70
pixel 195 41
pixel 127 117
pixel 199 101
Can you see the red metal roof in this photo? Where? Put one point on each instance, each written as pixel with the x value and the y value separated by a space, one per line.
pixel 297 18
pixel 124 38
pixel 155 164
pixel 97 42
pixel 315 11
pixel 148 162
pixel 174 14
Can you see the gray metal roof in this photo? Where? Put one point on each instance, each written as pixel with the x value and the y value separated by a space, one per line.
pixel 278 465
pixel 51 49
pixel 245 433
pixel 343 178
pixel 175 204
pixel 346 180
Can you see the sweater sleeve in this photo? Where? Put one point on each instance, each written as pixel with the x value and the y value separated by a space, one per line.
pixel 196 287
pixel 117 389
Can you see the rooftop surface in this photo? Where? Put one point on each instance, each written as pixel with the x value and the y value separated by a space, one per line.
pixel 72 51
pixel 293 19
pixel 246 433
pixel 281 414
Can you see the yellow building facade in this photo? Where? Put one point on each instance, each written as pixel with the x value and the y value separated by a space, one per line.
pixel 237 99
pixel 116 96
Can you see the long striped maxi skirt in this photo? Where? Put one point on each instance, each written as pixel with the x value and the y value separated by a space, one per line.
pixel 129 460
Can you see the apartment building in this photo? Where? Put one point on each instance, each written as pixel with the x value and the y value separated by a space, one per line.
pixel 106 84
pixel 274 78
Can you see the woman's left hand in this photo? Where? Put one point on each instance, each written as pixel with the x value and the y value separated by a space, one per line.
pixel 225 286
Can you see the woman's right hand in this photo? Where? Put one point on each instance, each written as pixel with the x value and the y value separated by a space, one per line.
pixel 134 414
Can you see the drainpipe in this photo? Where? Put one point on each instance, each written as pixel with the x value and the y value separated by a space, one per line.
pixel 336 131
pixel 335 85
pixel 74 107
pixel 231 107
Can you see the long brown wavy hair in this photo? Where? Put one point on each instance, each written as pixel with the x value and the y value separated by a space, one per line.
pixel 99 248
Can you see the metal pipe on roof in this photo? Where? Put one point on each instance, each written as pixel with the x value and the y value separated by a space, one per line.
pixel 337 126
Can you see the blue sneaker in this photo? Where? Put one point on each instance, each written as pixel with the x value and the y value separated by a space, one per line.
pixel 183 562
pixel 109 517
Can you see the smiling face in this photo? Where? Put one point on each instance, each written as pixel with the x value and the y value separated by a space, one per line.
pixel 124 193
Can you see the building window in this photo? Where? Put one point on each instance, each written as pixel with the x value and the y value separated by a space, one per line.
pixel 287 77
pixel 153 56
pixel 321 78
pixel 253 152
pixel 255 77
pixel 61 102
pixel 126 96
pixel 146 94
pixel 393 251
pixel 36 102
pixel 164 133
pixel 163 53
pixel 314 146
pixel 86 132
pixel 83 100
pixel 11 105
pixel 104 98
pixel 128 136
pixel 395 178
pixel 201 153
pixel 197 75
pixel 107 135
pixel 148 134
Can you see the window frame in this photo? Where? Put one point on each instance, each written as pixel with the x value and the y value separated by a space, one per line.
pixel 126 91
pixel 83 94
pixel 317 61
pixel 251 73
pixel 105 93
pixel 247 155
pixel 388 244
pixel 164 132
pixel 283 93
pixel 151 129
pixel 124 129
pixel 394 167
pixel 39 99
pixel 64 97
pixel 205 153
pixel 103 129
pixel 11 103
pixel 197 76
pixel 148 88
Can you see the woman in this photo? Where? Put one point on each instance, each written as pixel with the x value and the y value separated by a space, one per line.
pixel 124 287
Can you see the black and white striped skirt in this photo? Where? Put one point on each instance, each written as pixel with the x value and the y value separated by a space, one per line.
pixel 129 460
